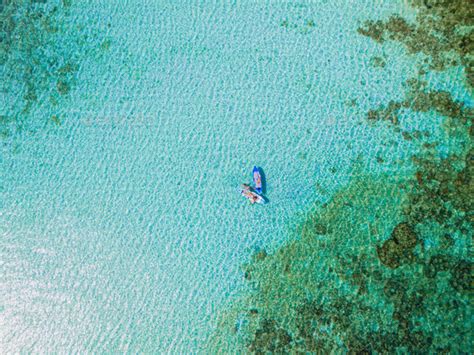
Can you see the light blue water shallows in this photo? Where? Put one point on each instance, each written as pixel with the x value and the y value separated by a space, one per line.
pixel 123 230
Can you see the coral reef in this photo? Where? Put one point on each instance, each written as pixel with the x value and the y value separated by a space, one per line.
pixel 461 276
pixel 269 337
pixel 443 191
pixel 460 271
pixel 398 249
pixel 442 32
pixel 442 188
pixel 329 292
pixel 40 52
pixel 419 99
pixel 388 113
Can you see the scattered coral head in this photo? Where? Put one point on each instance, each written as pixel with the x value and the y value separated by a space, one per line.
pixel 398 249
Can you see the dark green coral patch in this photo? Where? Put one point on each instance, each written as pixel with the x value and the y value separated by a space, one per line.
pixel 388 113
pixel 390 254
pixel 395 28
pixel 68 68
pixel 418 99
pixel 377 62
pixel 374 30
pixel 398 28
pixel 395 289
pixel 437 263
pixel 439 101
pixel 30 94
pixel 398 249
pixel 315 225
pixel 460 271
pixel 461 276
pixel 443 191
pixel 56 120
pixel 270 337
pixel 260 255
pixel 63 87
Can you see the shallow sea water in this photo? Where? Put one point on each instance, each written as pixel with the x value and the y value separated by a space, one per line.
pixel 122 228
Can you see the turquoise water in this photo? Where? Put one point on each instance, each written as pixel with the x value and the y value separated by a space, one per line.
pixel 121 224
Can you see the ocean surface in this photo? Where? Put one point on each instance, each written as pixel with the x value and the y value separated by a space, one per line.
pixel 130 126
